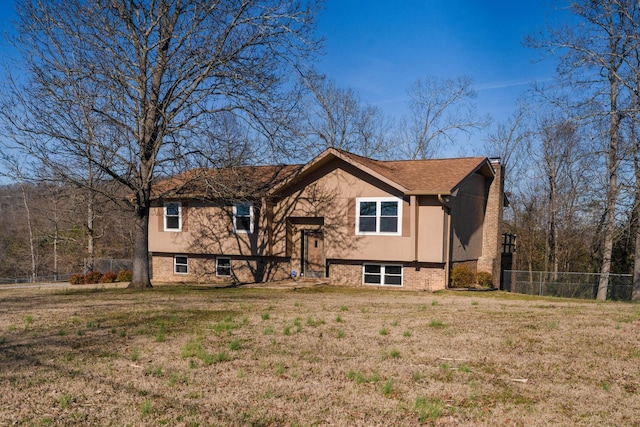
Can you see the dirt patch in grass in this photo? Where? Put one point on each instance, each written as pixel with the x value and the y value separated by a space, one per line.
pixel 319 356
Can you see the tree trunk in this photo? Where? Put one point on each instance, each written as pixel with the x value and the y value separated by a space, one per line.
pixel 30 226
pixel 141 278
pixel 551 261
pixel 612 192
pixel 555 231
pixel 635 216
pixel 635 295
pixel 90 264
pixel 613 67
pixel 607 252
pixel 55 249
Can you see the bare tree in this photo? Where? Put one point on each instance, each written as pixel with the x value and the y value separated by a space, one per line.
pixel 630 78
pixel 336 117
pixel 635 214
pixel 14 170
pixel 592 61
pixel 27 209
pixel 147 77
pixel 56 199
pixel 439 111
pixel 549 168
pixel 509 141
pixel 549 205
pixel 560 155
pixel 528 209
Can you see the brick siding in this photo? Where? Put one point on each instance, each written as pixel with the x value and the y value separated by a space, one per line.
pixel 203 269
pixel 423 277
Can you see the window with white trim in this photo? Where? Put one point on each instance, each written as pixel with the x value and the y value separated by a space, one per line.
pixel 223 267
pixel 382 274
pixel 243 218
pixel 379 215
pixel 181 264
pixel 173 216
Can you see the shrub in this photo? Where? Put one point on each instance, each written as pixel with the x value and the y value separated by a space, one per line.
pixel 77 279
pixel 125 276
pixel 92 277
pixel 462 276
pixel 484 279
pixel 108 277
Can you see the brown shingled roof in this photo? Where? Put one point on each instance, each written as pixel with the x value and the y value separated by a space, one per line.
pixel 423 176
pixel 241 181
pixel 434 176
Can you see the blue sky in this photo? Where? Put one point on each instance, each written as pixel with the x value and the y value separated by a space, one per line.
pixel 379 47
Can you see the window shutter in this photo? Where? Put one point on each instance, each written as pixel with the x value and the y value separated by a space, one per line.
pixel 160 211
pixel 229 212
pixel 257 212
pixel 185 216
pixel 406 219
pixel 351 216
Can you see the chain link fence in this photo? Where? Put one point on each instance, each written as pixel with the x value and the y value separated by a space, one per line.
pixel 567 285
pixel 37 279
pixel 104 265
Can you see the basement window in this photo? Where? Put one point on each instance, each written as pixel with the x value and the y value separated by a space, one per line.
pixel 180 264
pixel 382 274
pixel 223 267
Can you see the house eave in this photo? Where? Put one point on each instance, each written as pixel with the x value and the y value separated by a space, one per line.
pixel 325 157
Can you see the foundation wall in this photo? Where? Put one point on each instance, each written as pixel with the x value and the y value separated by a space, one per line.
pixel 418 277
pixel 203 269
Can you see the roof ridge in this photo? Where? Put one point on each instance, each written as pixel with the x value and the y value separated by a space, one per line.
pixel 349 153
pixel 447 159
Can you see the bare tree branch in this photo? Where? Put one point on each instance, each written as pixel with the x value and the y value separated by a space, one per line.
pixel 440 110
pixel 133 87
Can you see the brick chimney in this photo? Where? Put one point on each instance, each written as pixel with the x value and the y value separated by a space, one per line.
pixel 492 228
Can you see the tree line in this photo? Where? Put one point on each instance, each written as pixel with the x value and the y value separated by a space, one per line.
pixel 46 232
pixel 572 149
pixel 110 96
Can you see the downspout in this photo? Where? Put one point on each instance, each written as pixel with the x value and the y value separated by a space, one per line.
pixel 267 208
pixel 415 224
pixel 447 253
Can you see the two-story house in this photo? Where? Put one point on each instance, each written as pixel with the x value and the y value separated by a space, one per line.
pixel 345 218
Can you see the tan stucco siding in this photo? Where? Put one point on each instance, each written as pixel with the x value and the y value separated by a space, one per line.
pixel 167 241
pixel 208 229
pixel 330 193
pixel 431 230
pixel 467 213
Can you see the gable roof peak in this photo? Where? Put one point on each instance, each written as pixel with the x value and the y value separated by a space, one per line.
pixel 419 177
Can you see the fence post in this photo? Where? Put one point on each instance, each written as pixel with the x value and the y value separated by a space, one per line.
pixel 540 276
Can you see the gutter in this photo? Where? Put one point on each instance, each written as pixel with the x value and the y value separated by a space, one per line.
pixel 429 193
